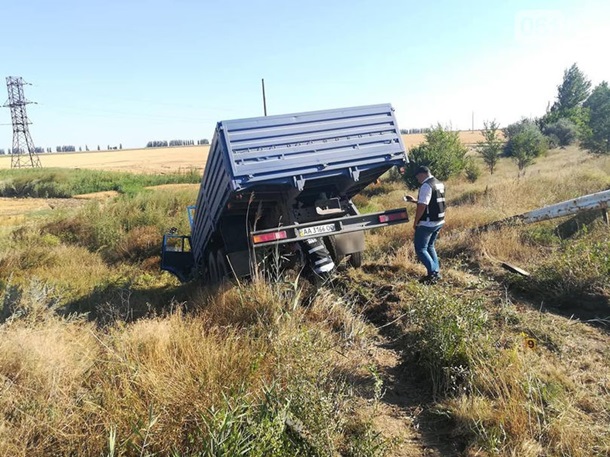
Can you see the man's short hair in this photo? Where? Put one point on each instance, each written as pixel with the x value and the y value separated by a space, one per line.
pixel 422 169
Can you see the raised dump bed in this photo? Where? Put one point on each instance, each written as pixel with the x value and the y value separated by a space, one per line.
pixel 290 170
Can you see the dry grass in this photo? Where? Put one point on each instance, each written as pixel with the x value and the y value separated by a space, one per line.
pixel 510 400
pixel 561 175
pixel 154 386
pixel 265 352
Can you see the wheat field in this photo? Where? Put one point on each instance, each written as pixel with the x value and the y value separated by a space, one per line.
pixel 160 160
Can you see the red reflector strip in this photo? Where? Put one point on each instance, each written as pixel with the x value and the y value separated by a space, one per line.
pixel 392 217
pixel 256 239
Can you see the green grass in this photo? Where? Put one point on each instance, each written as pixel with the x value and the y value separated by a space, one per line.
pixel 577 271
pixel 64 183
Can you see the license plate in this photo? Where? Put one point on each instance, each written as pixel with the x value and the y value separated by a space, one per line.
pixel 318 229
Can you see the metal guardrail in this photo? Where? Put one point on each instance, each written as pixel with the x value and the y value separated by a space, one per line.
pixel 599 200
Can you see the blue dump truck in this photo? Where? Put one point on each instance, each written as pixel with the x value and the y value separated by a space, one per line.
pixel 284 184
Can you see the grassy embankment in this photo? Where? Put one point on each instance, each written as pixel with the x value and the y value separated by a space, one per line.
pixel 206 373
pixel 104 355
pixel 469 334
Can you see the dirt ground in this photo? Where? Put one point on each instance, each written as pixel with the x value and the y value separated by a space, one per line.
pixel 160 160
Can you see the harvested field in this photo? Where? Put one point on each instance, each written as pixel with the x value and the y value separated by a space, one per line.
pixel 148 160
pixel 160 160
pixel 469 138
pixel 13 211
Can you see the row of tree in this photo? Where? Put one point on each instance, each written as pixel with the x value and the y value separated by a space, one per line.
pixel 411 131
pixel 150 144
pixel 578 114
pixel 165 143
pixel 65 148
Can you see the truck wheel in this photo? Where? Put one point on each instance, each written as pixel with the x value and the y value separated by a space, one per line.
pixel 355 259
pixel 221 266
pixel 212 269
pixel 331 245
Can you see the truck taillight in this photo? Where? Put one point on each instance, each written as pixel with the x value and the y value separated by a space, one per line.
pixel 265 237
pixel 393 217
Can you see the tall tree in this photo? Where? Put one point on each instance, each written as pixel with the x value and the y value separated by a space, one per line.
pixel 597 137
pixel 573 91
pixel 571 94
pixel 491 148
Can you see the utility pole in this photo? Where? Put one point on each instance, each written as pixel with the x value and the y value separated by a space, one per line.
pixel 264 98
pixel 22 140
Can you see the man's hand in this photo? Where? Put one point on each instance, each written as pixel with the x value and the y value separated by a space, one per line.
pixel 421 209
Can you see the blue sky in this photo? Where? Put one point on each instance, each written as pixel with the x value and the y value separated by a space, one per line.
pixel 131 71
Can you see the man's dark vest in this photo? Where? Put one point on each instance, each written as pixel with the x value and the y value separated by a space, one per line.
pixel 435 211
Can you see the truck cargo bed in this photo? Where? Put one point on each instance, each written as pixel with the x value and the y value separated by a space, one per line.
pixel 336 151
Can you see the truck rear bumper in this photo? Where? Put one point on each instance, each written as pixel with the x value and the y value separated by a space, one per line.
pixel 316 229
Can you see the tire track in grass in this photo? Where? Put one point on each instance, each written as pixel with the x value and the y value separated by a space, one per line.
pixel 405 414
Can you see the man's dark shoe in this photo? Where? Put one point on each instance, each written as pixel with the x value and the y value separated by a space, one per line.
pixel 430 279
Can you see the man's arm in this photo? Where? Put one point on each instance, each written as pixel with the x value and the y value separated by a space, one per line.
pixel 421 208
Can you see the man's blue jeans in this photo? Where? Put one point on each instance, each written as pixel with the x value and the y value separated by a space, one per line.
pixel 424 247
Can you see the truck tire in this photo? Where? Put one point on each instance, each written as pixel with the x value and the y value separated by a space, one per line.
pixel 221 266
pixel 355 259
pixel 212 269
pixel 331 245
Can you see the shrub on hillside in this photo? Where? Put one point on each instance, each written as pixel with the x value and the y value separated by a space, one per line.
pixel 471 169
pixel 442 152
pixel 561 133
pixel 514 132
pixel 525 143
pixel 448 330
pixel 126 228
pixel 138 244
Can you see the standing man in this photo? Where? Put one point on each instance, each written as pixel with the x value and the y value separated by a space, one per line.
pixel 428 221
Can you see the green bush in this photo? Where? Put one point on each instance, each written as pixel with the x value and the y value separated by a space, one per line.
pixel 525 143
pixel 471 169
pixel 596 138
pixel 448 331
pixel 442 152
pixel 561 133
